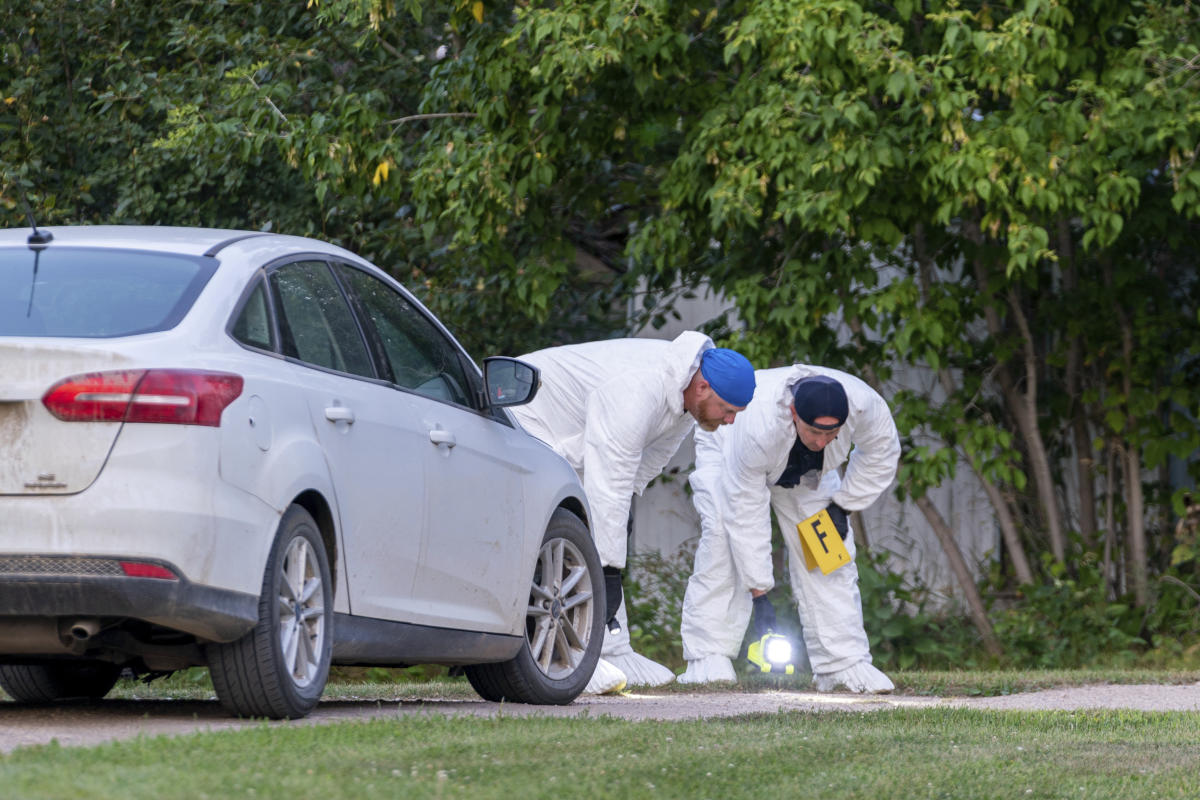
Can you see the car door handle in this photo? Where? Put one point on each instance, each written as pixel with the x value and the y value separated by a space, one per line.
pixel 339 414
pixel 439 436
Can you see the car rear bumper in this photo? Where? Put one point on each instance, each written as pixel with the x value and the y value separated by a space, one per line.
pixel 213 534
pixel 67 587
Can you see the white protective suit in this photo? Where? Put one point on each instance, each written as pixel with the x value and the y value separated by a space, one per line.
pixel 614 410
pixel 734 491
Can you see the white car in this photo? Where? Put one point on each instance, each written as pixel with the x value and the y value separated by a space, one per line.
pixel 260 454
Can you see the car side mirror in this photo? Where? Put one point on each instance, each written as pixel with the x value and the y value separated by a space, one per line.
pixel 509 382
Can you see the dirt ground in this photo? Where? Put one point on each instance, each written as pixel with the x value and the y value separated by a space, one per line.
pixel 79 726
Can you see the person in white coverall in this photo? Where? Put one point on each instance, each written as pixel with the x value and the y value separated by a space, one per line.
pixel 784 453
pixel 618 410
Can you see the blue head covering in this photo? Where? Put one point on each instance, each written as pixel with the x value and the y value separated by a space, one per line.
pixel 821 396
pixel 729 374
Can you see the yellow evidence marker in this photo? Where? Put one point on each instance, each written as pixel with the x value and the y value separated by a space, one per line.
pixel 821 544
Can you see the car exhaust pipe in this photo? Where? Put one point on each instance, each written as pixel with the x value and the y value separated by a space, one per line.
pixel 33 636
pixel 84 629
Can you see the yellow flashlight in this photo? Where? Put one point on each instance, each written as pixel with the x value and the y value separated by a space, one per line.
pixel 772 653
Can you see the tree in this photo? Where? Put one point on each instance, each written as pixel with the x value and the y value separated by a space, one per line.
pixel 255 115
pixel 85 94
pixel 1004 197
pixel 970 187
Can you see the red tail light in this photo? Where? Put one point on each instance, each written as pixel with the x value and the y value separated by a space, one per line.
pixel 179 397
pixel 142 569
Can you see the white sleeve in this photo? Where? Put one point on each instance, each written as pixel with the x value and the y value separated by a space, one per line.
pixel 658 454
pixel 707 445
pixel 746 497
pixel 874 459
pixel 618 423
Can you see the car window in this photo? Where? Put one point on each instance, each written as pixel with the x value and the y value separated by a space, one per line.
pixel 419 355
pixel 315 321
pixel 96 293
pixel 253 325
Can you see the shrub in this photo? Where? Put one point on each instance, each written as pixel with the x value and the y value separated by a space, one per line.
pixel 904 633
pixel 654 588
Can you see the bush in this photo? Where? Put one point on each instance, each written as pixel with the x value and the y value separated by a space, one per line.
pixel 1068 622
pixel 654 588
pixel 903 632
pixel 1063 623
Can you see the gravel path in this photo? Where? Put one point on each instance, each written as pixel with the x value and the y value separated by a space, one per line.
pixel 22 726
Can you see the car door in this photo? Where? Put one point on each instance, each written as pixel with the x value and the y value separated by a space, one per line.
pixel 372 435
pixel 469 573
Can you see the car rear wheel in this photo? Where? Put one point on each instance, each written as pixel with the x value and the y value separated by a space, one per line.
pixel 68 680
pixel 279 669
pixel 563 623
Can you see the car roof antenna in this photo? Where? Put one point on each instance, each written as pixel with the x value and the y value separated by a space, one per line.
pixel 37 241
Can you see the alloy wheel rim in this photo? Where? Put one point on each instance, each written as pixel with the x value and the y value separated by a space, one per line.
pixel 561 605
pixel 301 613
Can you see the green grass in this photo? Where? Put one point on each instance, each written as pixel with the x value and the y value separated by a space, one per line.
pixel 995 683
pixel 393 685
pixel 908 754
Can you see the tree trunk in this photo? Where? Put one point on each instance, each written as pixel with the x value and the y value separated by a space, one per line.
pixel 1008 530
pixel 1135 509
pixel 1086 475
pixel 861 540
pixel 1008 527
pixel 1023 406
pixel 961 571
pixel 1110 579
pixel 1135 514
pixel 946 537
pixel 1084 454
pixel 1025 411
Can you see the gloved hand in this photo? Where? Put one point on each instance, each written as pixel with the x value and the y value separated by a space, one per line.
pixel 612 594
pixel 764 616
pixel 839 517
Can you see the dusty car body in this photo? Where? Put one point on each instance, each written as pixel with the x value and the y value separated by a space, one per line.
pixel 259 453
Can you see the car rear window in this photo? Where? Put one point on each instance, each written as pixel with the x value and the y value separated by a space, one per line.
pixel 96 293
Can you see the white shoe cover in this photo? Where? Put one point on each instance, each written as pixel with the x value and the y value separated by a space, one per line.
pixel 618 651
pixel 710 669
pixel 861 678
pixel 607 679
pixel 641 671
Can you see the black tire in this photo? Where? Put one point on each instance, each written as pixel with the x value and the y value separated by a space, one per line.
pixel 68 680
pixel 564 625
pixel 278 670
